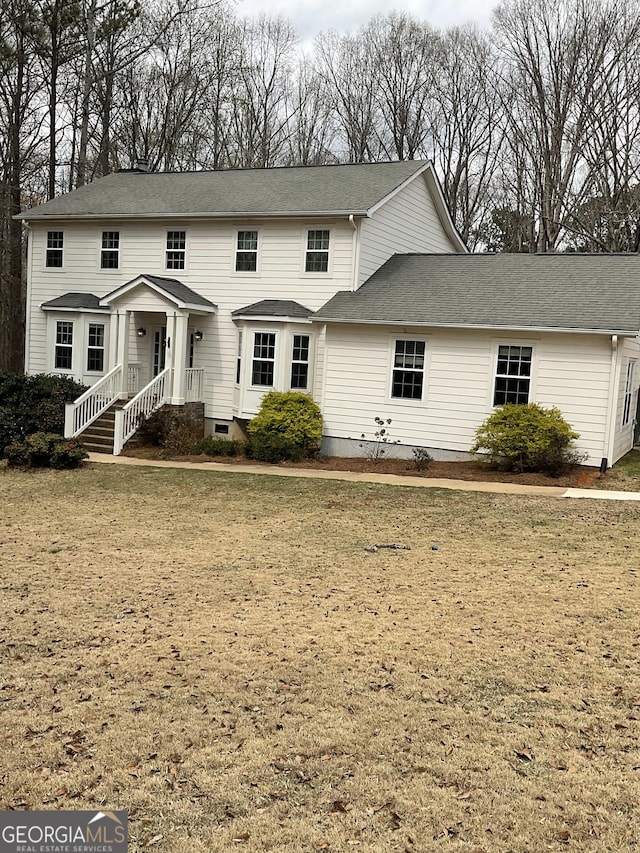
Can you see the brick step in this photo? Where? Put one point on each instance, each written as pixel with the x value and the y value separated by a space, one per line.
pixel 94 446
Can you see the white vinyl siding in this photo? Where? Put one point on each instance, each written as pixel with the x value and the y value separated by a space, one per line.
pixel 572 372
pixel 408 222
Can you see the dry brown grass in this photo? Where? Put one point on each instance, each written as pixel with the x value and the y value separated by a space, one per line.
pixel 218 654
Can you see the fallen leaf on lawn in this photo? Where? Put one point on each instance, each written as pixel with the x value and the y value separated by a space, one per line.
pixel 523 755
pixel 339 807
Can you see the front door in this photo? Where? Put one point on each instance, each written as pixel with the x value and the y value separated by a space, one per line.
pixel 159 352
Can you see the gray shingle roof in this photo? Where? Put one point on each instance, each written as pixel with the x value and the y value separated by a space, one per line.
pixel 558 291
pixel 172 287
pixel 274 308
pixel 75 301
pixel 340 189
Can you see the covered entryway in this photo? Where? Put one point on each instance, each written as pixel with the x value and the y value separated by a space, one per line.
pixel 150 355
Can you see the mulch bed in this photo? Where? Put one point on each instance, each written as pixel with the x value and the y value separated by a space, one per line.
pixel 580 477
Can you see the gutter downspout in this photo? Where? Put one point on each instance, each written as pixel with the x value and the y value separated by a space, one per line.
pixel 355 253
pixel 27 326
pixel 609 434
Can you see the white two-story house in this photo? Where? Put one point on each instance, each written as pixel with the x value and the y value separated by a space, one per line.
pixel 348 282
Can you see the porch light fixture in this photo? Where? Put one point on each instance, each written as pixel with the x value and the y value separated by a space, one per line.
pixel 198 336
pixel 141 332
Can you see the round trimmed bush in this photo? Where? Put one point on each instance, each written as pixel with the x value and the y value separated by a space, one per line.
pixel 528 438
pixel 288 427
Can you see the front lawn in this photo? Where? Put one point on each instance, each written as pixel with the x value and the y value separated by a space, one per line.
pixel 221 655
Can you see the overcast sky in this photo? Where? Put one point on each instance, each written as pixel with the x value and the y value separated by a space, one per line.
pixel 310 17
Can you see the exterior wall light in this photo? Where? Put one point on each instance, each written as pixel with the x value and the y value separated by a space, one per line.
pixel 141 332
pixel 198 336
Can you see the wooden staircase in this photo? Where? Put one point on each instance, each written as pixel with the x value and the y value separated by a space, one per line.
pixel 98 436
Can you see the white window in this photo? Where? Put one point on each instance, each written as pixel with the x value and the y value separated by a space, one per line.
pixel 513 375
pixel 239 358
pixel 317 256
pixel 110 251
pixel 407 380
pixel 247 251
pixel 63 359
pixel 176 249
pixel 264 357
pixel 300 363
pixel 628 392
pixel 55 245
pixel 95 348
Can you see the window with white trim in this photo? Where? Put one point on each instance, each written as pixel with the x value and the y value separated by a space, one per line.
pixel 176 249
pixel 317 255
pixel 300 363
pixel 264 358
pixel 55 246
pixel 247 251
pixel 407 381
pixel 513 375
pixel 110 251
pixel 628 393
pixel 63 359
pixel 95 348
pixel 239 358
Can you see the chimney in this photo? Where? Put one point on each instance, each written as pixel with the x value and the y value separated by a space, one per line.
pixel 141 164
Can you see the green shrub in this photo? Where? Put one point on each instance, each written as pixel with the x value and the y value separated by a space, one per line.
pixel 46 450
pixel 211 445
pixel 421 458
pixel 287 427
pixel 30 404
pixel 528 438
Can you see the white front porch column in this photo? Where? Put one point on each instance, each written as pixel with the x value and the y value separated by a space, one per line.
pixel 122 349
pixel 112 359
pixel 179 357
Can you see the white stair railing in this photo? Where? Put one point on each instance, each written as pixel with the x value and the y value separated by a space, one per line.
pixel 148 400
pixel 194 382
pixel 90 405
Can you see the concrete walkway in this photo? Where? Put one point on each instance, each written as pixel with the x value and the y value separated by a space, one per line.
pixel 383 479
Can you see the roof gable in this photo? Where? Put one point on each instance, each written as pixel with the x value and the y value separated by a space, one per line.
pixel 561 292
pixel 169 288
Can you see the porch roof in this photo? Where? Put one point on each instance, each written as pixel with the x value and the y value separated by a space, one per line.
pixel 172 289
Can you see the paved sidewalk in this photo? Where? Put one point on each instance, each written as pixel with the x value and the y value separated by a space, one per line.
pixel 383 479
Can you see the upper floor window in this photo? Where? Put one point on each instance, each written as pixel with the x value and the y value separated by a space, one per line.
pixel 264 357
pixel 628 393
pixel 247 251
pixel 110 252
pixel 64 345
pixel 317 256
pixel 95 348
pixel 408 370
pixel 55 243
pixel 513 375
pixel 176 249
pixel 300 362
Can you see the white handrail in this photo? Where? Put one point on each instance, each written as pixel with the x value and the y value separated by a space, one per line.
pixel 90 405
pixel 194 382
pixel 148 400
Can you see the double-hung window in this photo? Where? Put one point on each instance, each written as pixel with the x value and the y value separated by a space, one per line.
pixel 300 362
pixel 264 357
pixel 407 381
pixel 317 255
pixel 628 393
pixel 247 251
pixel 176 249
pixel 64 345
pixel 110 251
pixel 55 246
pixel 513 375
pixel 95 348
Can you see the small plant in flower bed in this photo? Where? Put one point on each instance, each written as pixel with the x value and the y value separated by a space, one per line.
pixel 46 450
pixel 211 445
pixel 421 458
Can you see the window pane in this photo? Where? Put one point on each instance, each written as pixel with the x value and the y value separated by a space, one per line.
pixel 513 375
pixel 318 240
pixel 301 347
pixel 264 345
pixel 64 345
pixel 96 335
pixel 299 375
pixel 248 240
pixel 110 239
pixel 176 239
pixel 262 373
pixel 55 242
pixel 95 360
pixel 408 373
pixel 407 384
pixel 317 258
